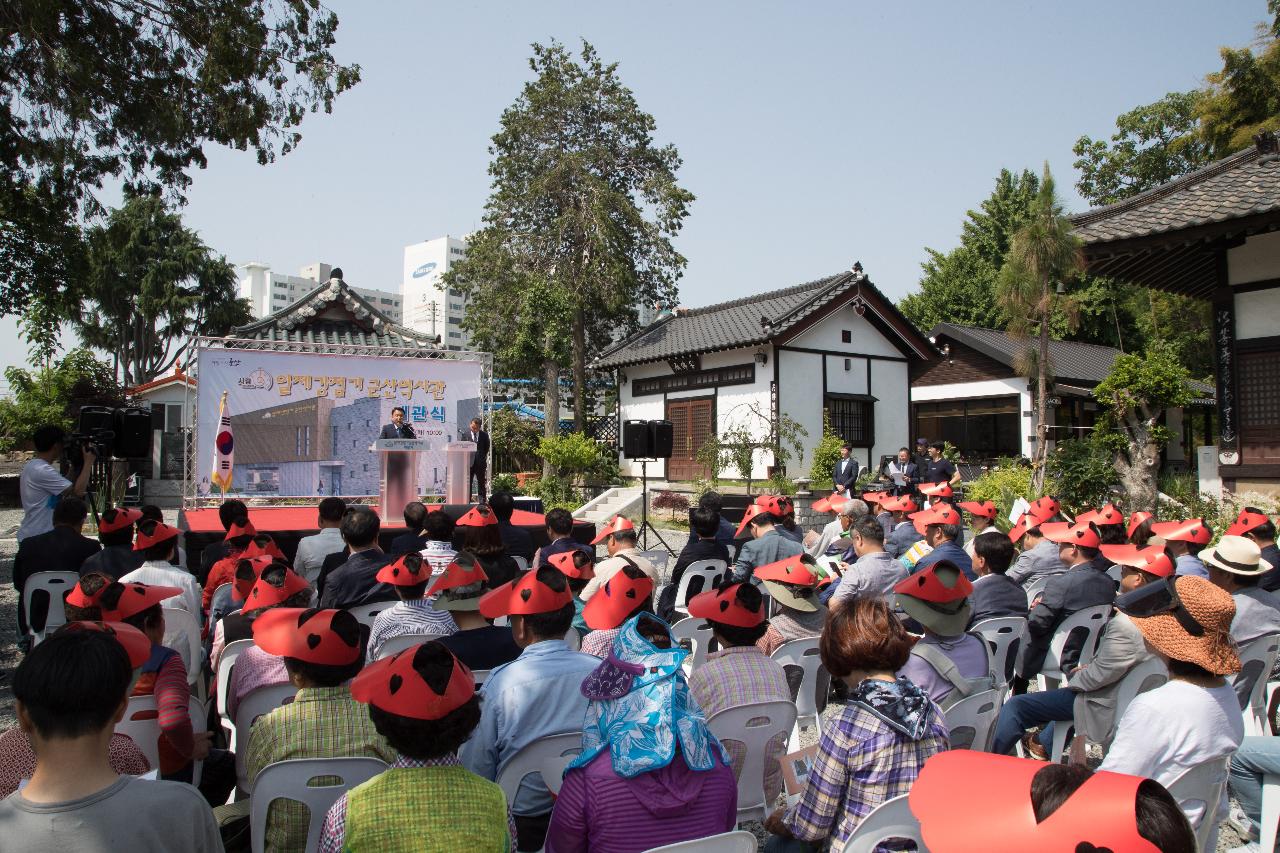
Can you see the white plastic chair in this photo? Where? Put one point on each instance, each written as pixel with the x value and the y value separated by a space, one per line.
pixel 1034 589
pixel 1091 621
pixel 141 723
pixel 753 726
pixel 547 756
pixel 521 563
pixel 230 652
pixel 402 642
pixel 1257 658
pixel 698 633
pixel 292 780
pixel 890 819
pixel 972 721
pixel 57 585
pixel 711 571
pixel 1270 812
pixel 1001 634
pixel 804 654
pixel 738 841
pixel 259 701
pixel 1198 792
pixel 182 634
pixel 573 639
pixel 480 675
pixel 1145 675
pixel 365 613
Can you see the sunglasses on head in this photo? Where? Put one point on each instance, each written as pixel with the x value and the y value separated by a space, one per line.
pixel 1154 599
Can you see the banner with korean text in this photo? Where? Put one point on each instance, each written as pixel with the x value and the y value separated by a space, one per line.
pixel 304 422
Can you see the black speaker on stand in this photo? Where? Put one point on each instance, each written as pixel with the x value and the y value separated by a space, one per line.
pixel 645 442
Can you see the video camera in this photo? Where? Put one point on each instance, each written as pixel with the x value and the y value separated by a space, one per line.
pixel 99 441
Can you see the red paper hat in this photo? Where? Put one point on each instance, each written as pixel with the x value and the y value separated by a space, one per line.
pixel 938 514
pixel 1192 530
pixel 79 598
pixel 242 588
pixel 1042 509
pixel 617 524
pixel 1065 533
pixel 479 516
pixel 307 635
pixel 395 686
pixel 723 606
pixel 161 532
pixel 1107 514
pixel 830 503
pixel 264 594
pixel 136 644
pixel 1247 521
pixel 238 529
pixel 563 563
pixel 135 598
pixel 522 597
pixel 778 505
pixel 458 574
pixel 926 586
pixel 614 602
pixel 118 519
pixel 904 503
pixel 937 490
pixel 1137 520
pixel 410 570
pixel 875 497
pixel 986 509
pixel 271 549
pixel 1150 559
pixel 792 570
pixel 1101 814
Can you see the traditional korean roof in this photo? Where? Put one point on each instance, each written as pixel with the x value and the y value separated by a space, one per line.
pixel 333 317
pixel 766 318
pixel 1071 360
pixel 177 377
pixel 1169 237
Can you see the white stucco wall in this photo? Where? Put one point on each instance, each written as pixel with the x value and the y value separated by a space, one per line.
pixel 1257 260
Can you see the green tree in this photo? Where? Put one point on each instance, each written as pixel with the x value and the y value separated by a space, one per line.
pixel 132 90
pixel 1134 397
pixel 152 284
pixel 1242 98
pixel 1044 255
pixel 578 226
pixel 54 394
pixel 959 286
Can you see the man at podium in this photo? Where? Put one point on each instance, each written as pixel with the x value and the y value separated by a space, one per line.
pixel 397 428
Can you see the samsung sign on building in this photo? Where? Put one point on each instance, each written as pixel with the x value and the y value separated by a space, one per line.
pixel 425 269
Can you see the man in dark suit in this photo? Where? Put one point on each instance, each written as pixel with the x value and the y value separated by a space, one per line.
pixel 355 581
pixel 415 518
pixel 62 549
pixel 846 471
pixel 397 428
pixel 904 470
pixel 479 462
pixel 517 540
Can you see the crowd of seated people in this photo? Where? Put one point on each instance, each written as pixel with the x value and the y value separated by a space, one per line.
pixel 484 643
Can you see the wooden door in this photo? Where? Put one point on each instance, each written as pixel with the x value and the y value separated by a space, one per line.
pixel 692 424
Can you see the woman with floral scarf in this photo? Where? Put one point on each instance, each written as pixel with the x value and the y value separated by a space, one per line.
pixel 650 772
pixel 873 749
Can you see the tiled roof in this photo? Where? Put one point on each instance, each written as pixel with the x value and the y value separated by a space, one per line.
pixel 176 376
pixel 1241 185
pixel 1070 360
pixel 730 325
pixel 334 316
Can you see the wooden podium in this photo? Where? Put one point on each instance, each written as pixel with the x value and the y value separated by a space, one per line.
pixel 399 484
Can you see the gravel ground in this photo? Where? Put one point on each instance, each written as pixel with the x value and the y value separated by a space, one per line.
pixel 9 655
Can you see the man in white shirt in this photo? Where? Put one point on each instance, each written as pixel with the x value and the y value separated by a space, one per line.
pixel 314 548
pixel 41 485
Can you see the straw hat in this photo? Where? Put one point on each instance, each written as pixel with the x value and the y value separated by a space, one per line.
pixel 1214 609
pixel 1237 555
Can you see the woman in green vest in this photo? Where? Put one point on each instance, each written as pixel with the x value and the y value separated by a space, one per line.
pixel 423 701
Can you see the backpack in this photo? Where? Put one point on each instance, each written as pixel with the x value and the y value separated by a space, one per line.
pixel 963 687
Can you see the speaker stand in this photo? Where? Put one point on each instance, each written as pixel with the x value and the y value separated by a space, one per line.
pixel 645 526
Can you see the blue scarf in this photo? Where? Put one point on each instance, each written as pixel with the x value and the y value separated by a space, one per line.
pixel 640 709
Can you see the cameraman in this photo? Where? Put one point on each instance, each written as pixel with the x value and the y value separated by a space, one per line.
pixel 41 485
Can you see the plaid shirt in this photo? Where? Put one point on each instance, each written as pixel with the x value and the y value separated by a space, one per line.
pixel 598 643
pixel 254 668
pixel 334 832
pixel 743 675
pixel 409 617
pixel 861 762
pixel 321 722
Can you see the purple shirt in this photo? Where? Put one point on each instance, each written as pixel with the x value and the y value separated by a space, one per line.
pixel 601 812
pixel 966 651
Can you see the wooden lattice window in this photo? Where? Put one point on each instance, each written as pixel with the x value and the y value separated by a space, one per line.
pixel 1258 392
pixel 853 417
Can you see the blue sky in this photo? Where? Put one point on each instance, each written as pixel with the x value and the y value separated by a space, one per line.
pixel 813 134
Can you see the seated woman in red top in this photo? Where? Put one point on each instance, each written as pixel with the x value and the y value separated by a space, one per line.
pixel 650 772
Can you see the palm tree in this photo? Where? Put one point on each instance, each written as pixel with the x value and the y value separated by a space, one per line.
pixel 1044 254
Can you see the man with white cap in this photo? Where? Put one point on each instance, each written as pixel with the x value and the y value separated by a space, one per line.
pixel 621 541
pixel 1236 565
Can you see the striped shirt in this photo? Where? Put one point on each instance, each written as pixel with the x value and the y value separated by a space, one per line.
pixel 439 555
pixel 861 762
pixel 161 573
pixel 321 722
pixel 333 834
pixel 743 675
pixel 409 617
